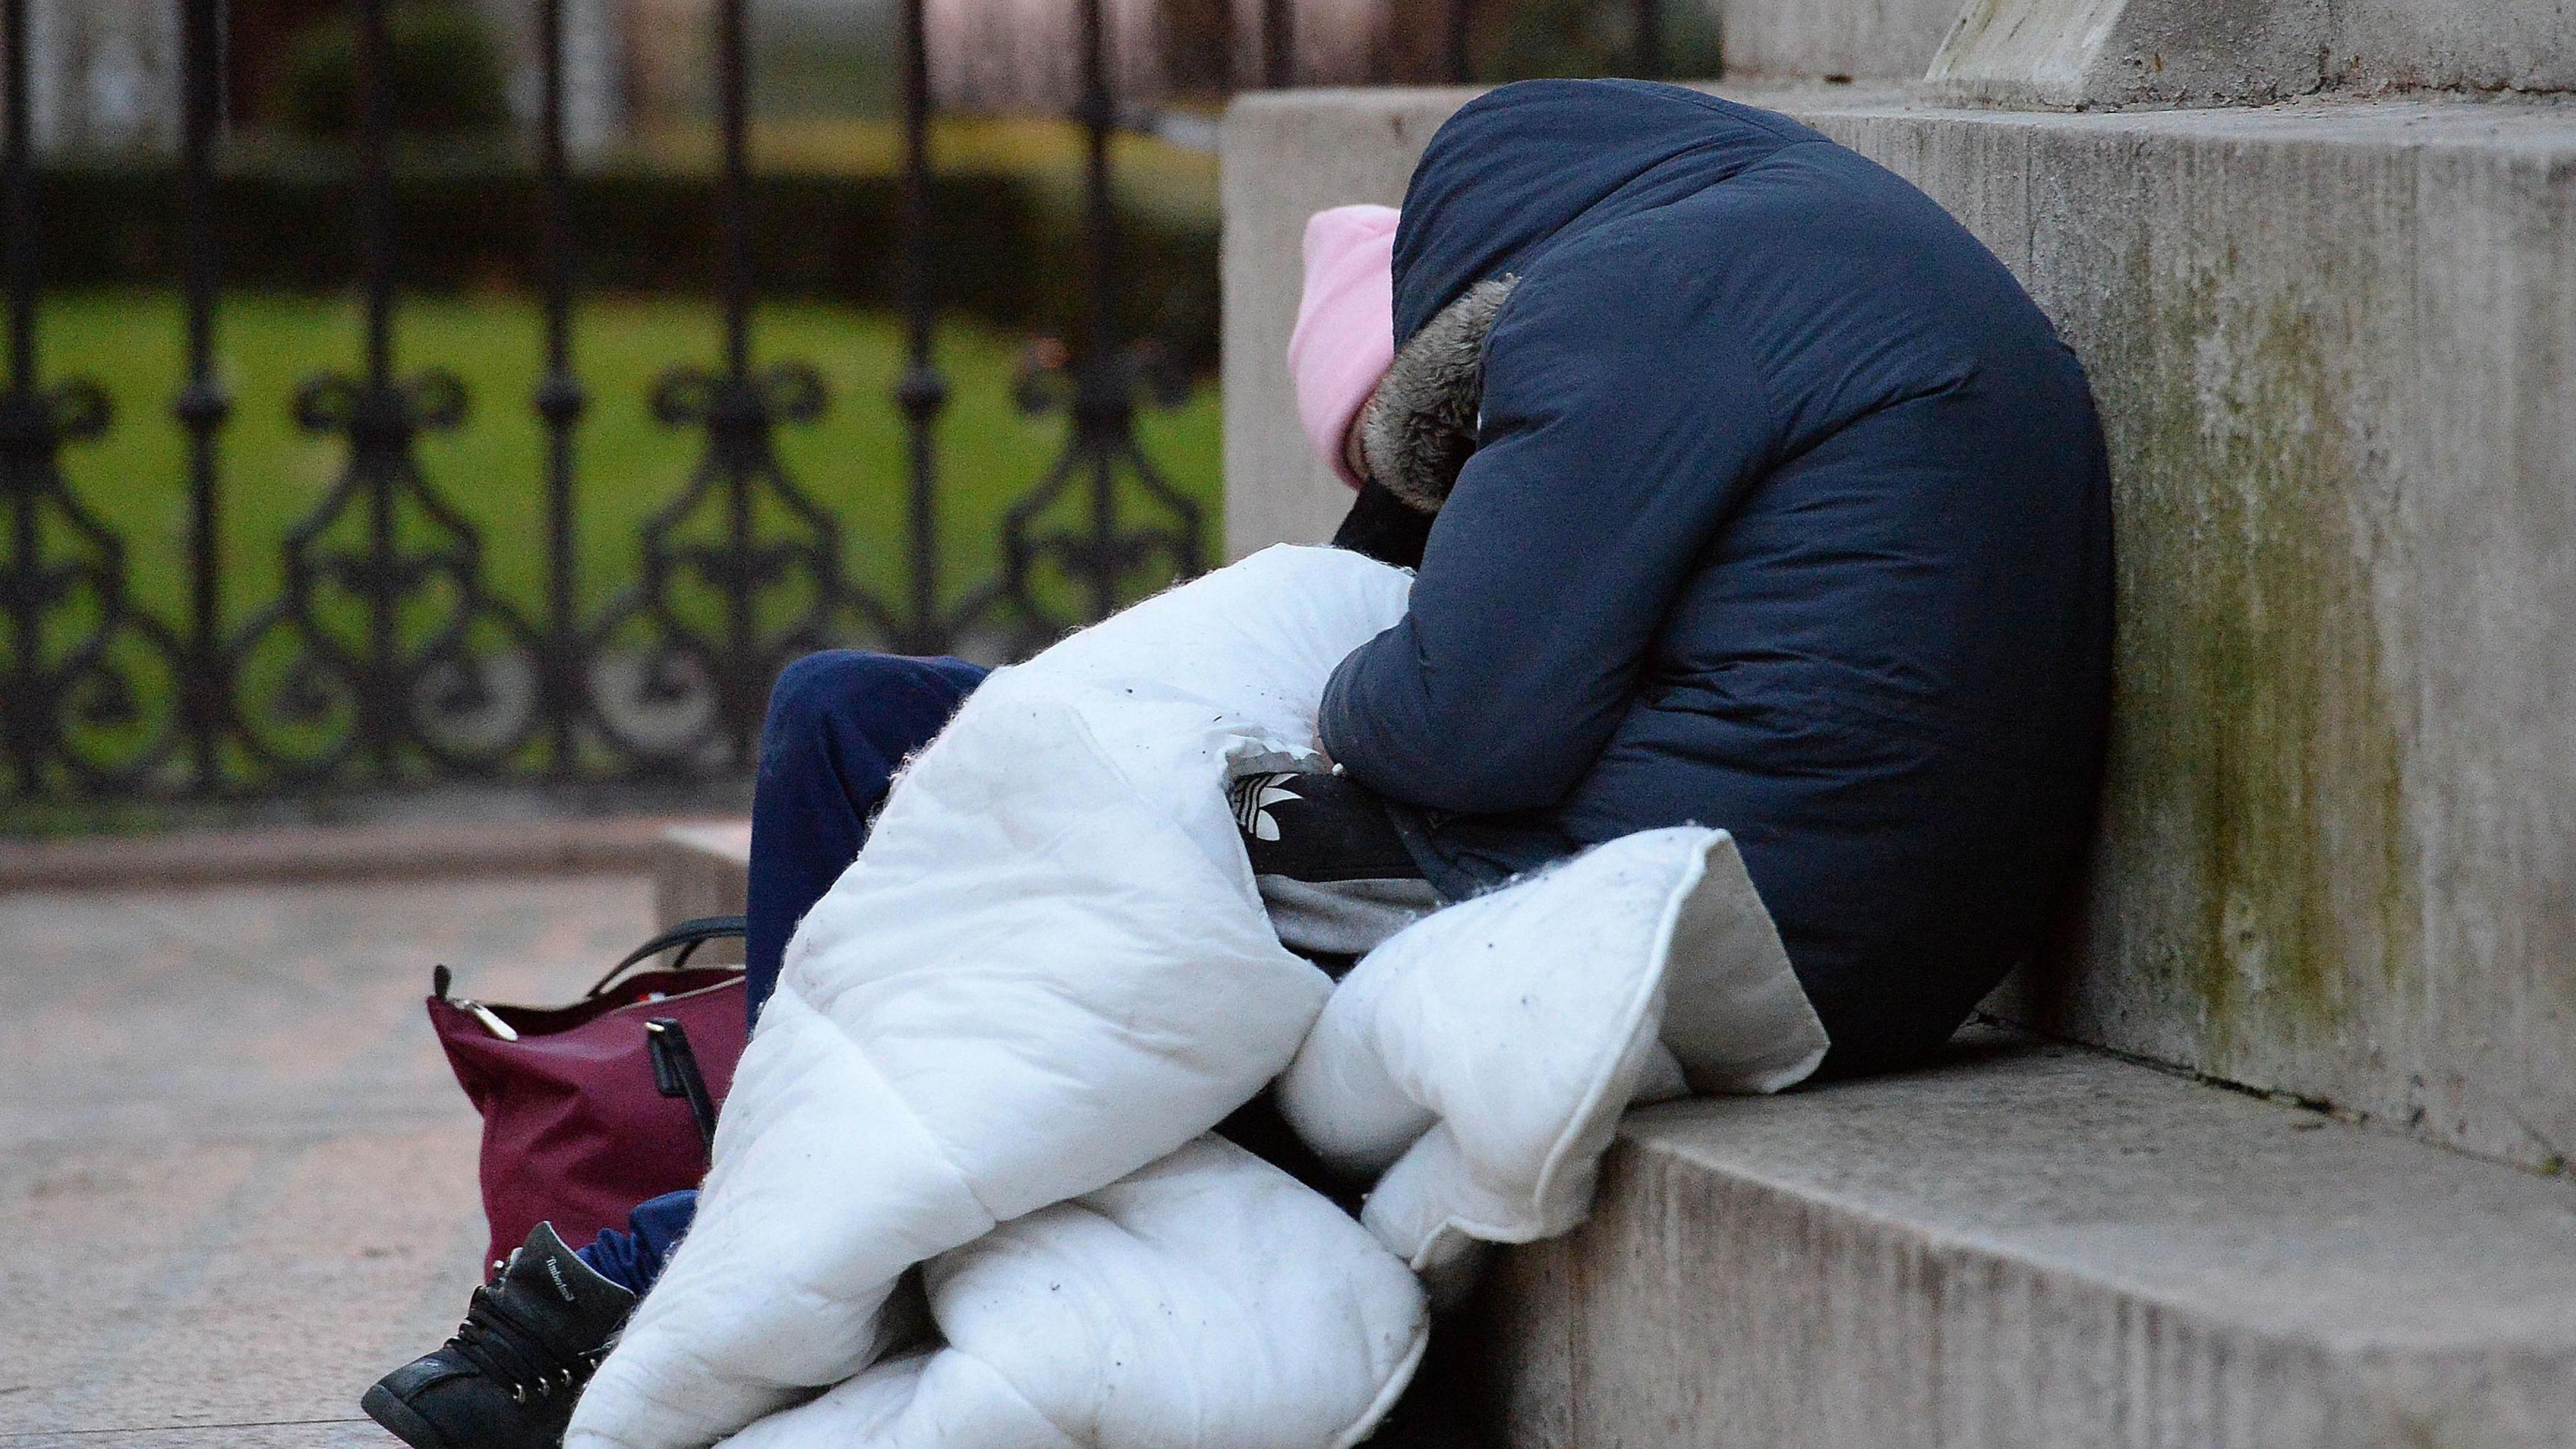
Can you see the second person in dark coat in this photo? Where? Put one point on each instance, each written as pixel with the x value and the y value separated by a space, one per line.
pixel 1763 498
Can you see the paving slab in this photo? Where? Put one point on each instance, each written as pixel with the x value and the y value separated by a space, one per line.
pixel 314 1434
pixel 236 1178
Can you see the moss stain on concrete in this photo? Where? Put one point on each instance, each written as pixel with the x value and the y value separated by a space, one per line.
pixel 2257 758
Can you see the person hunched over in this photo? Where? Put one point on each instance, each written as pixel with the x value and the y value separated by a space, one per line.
pixel 1751 491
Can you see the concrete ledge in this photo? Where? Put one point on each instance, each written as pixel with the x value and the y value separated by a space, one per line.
pixel 2092 53
pixel 607 845
pixel 2039 1247
pixel 702 870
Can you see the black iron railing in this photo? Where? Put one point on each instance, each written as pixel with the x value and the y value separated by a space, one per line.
pixel 386 657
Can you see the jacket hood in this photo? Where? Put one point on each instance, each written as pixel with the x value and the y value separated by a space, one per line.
pixel 1420 423
pixel 1526 166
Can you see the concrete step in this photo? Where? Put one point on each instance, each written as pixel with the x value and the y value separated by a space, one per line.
pixel 2330 342
pixel 2033 1245
pixel 702 869
pixel 2039 1246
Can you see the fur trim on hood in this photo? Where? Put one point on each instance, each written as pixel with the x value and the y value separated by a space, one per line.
pixel 1420 424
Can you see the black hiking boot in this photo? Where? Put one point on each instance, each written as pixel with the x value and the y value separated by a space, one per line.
pixel 510 1376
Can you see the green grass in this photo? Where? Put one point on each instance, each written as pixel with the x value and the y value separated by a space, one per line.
pixel 490 468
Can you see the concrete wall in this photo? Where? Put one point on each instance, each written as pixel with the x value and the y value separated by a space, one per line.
pixel 1858 39
pixel 1288 156
pixel 2481 45
pixel 2072 53
pixel 2098 53
pixel 2332 353
pixel 2332 348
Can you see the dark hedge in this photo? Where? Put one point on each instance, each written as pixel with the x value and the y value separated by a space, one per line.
pixel 997 254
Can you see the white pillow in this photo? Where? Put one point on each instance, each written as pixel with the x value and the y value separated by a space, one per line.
pixel 1481 1057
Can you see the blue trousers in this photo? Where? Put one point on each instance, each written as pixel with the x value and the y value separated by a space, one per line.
pixel 839 725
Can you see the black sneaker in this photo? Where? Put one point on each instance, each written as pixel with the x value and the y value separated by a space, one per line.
pixel 509 1378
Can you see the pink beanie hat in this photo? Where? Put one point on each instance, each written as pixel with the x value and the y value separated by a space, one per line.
pixel 1345 335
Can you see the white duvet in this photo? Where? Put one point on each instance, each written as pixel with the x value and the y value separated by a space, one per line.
pixel 964 1195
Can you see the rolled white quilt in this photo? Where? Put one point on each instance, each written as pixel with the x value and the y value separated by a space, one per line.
pixel 1206 1299
pixel 1002 1035
pixel 1480 1058
pixel 1048 969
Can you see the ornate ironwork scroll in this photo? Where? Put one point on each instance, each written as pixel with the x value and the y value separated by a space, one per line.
pixel 744 570
pixel 384 648
pixel 385 635
pixel 741 573
pixel 76 647
pixel 78 651
pixel 1060 571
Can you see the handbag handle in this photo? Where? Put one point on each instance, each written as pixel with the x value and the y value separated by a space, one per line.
pixel 689 935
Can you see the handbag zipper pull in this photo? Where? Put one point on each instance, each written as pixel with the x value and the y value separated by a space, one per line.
pixel 483 1014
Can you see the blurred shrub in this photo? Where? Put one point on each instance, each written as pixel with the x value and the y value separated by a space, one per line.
pixel 442 64
pixel 998 251
pixel 1526 39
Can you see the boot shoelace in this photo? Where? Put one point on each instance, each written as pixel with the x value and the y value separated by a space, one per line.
pixel 491 1341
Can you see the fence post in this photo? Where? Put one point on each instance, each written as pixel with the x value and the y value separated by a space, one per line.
pixel 1098 554
pixel 65 672
pixel 738 476
pixel 922 392
pixel 560 402
pixel 26 442
pixel 203 405
pixel 738 408
pixel 385 538
pixel 379 423
pixel 1650 39
pixel 1278 45
pixel 1103 403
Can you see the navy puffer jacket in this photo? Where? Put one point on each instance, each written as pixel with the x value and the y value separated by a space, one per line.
pixel 1787 514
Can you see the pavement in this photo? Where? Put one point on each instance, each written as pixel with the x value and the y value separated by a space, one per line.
pixel 236 1178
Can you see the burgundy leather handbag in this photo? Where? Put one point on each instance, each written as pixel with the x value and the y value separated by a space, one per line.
pixel 591 1108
